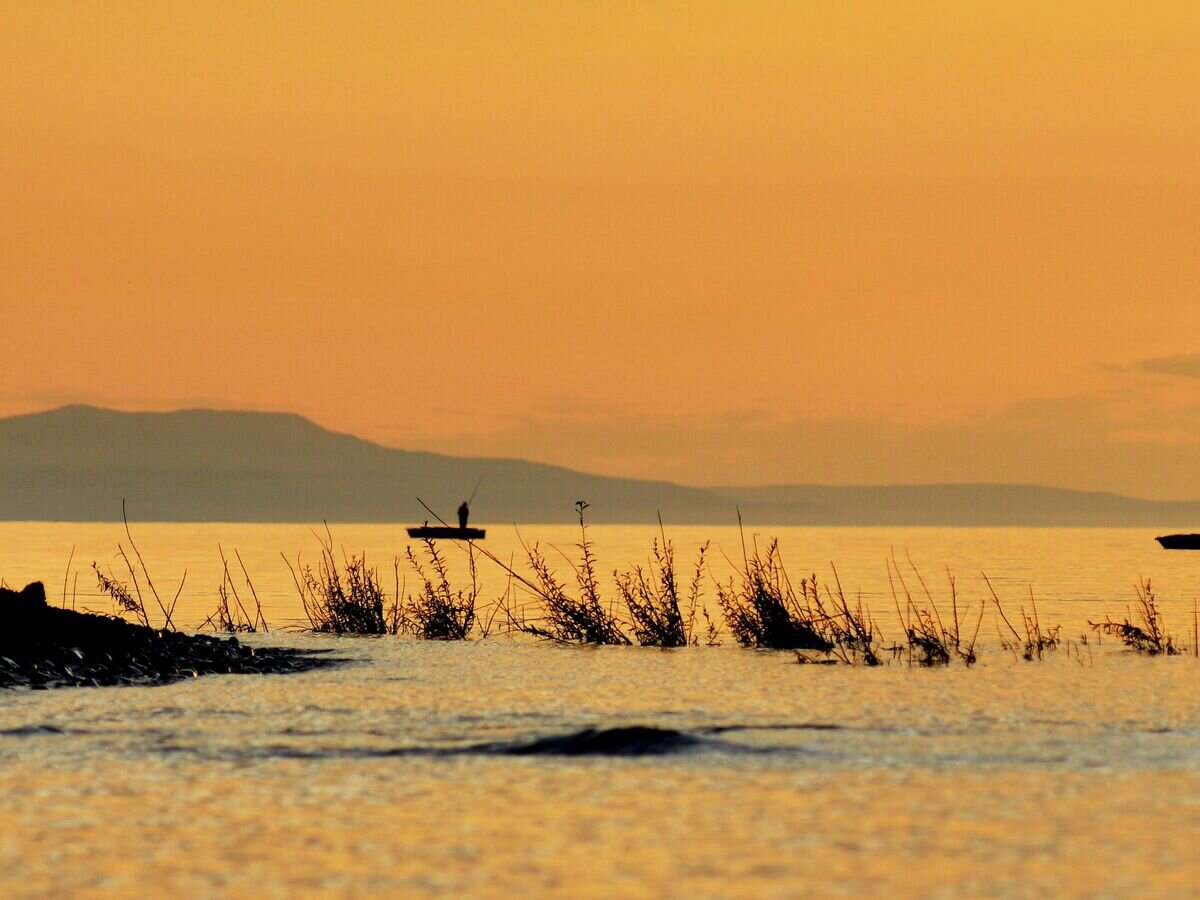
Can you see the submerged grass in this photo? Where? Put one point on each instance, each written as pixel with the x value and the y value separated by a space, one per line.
pixel 342 594
pixel 652 598
pixel 853 634
pixel 930 641
pixel 128 598
pixel 1037 641
pixel 1150 636
pixel 581 619
pixel 763 610
pixel 345 599
pixel 437 612
pixel 235 617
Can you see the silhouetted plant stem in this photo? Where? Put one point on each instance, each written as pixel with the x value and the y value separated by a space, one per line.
pixel 346 600
pixel 133 601
pixel 1151 637
pixel 438 612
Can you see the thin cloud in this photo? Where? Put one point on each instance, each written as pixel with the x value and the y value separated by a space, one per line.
pixel 1183 365
pixel 1117 440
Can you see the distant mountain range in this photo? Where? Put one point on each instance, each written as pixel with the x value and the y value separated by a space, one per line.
pixel 77 463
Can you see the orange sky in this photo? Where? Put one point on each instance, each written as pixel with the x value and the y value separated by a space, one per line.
pixel 736 242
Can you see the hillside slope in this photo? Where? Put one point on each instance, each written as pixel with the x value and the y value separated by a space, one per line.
pixel 77 463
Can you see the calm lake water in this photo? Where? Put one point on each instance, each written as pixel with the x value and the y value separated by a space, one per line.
pixel 390 773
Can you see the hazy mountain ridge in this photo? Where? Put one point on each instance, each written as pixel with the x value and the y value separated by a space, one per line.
pixel 77 463
pixel 956 504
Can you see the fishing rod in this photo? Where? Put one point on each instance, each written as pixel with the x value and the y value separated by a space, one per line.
pixel 471 499
pixel 472 546
pixel 432 513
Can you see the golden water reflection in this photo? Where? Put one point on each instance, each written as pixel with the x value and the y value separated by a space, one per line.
pixel 1072 776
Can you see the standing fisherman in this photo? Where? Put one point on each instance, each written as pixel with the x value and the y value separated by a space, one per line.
pixel 463 512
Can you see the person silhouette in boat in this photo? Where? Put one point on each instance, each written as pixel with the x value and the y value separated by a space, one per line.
pixel 463 512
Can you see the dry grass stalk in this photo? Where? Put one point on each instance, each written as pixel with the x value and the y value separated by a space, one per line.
pixel 235 617
pixel 930 642
pixel 345 600
pixel 133 601
pixel 852 632
pixel 438 612
pixel 565 618
pixel 1037 641
pixel 67 578
pixel 486 620
pixel 124 599
pixel 652 598
pixel 1151 636
pixel 762 609
pixel 393 616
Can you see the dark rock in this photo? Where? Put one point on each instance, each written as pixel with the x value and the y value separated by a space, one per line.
pixel 42 646
pixel 28 602
pixel 633 740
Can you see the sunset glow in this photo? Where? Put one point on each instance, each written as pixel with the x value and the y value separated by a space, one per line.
pixel 717 243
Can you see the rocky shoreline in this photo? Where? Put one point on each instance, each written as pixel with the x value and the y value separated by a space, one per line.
pixel 42 646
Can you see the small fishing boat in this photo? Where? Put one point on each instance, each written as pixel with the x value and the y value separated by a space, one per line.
pixel 1179 541
pixel 447 532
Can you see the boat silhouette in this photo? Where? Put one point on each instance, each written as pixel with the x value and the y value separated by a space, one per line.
pixel 1179 541
pixel 429 532
pixel 447 532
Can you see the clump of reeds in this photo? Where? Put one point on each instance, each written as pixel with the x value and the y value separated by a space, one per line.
pixel 567 619
pixel 930 641
pixel 852 633
pixel 1037 641
pixel 763 610
pixel 131 600
pixel 1149 637
pixel 235 617
pixel 345 599
pixel 438 612
pixel 652 598
pixel 123 598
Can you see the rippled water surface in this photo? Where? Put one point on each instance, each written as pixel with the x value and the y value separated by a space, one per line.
pixel 422 767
